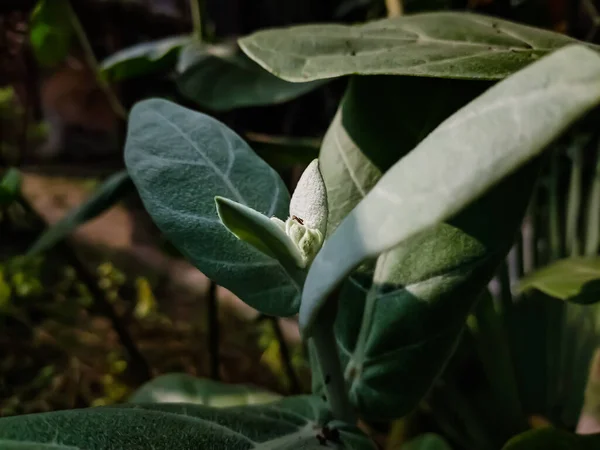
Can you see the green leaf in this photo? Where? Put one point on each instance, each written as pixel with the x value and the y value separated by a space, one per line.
pixel 553 439
pixel 469 153
pixel 113 190
pixel 427 441
pixel 292 423
pixel 16 445
pixel 143 59
pixel 440 44
pixel 184 388
pixel 10 187
pixel 575 280
pixel 262 233
pixel 51 31
pixel 221 78
pixel 180 160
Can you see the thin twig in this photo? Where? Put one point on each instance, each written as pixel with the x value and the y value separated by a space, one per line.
pixel 395 8
pixel 92 62
pixel 196 18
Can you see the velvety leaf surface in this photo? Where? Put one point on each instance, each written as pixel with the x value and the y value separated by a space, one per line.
pixel 16 445
pixel 457 163
pixel 180 160
pixel 380 120
pixel 427 441
pixel 576 280
pixel 222 78
pixel 290 424
pixel 113 190
pixel 51 31
pixel 143 59
pixel 553 439
pixel 184 388
pixel 440 44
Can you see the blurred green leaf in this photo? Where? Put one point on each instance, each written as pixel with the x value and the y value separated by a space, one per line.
pixel 284 152
pixel 221 78
pixel 51 31
pixel 553 439
pixel 143 59
pixel 10 187
pixel 108 194
pixel 427 441
pixel 183 388
pixel 575 280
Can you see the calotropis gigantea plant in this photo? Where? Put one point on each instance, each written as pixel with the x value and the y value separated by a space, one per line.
pixel 388 240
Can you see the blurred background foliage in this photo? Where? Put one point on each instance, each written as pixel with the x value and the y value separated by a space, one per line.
pixel 87 319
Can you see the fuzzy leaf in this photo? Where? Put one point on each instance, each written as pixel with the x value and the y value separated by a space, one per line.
pixel 440 44
pixel 456 164
pixel 180 160
pixel 292 423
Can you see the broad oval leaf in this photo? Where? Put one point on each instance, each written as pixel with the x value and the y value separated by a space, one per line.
pixel 113 190
pixel 50 31
pixel 552 439
pixel 575 280
pixel 221 78
pixel 180 160
pixel 184 388
pixel 292 423
pixel 143 59
pixel 440 44
pixel 464 157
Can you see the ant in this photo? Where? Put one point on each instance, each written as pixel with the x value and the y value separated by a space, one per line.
pixel 298 219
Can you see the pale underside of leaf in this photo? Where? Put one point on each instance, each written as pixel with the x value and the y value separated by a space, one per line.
pixel 440 44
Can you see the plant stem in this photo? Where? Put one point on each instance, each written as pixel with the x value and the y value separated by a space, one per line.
pixel 196 18
pixel 553 205
pixel 213 331
pixel 394 8
pixel 506 300
pixel 592 240
pixel 490 339
pixel 92 62
pixel 331 368
pixel 574 201
pixel 286 359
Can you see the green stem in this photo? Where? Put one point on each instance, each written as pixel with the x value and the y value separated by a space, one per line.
pixel 196 18
pixel 331 368
pixel 92 62
pixel 592 240
pixel 492 347
pixel 574 201
pixel 506 299
pixel 553 200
